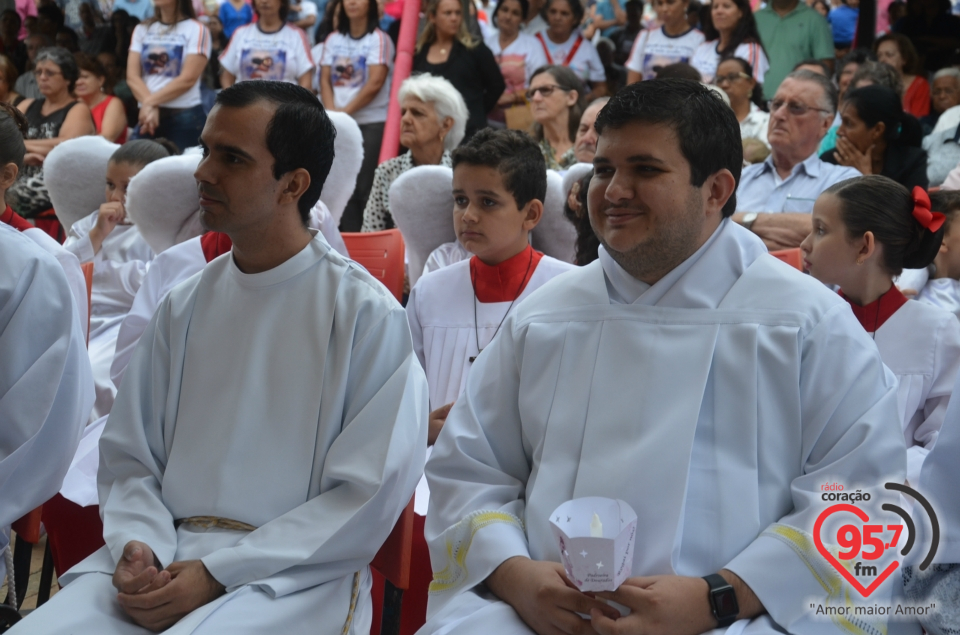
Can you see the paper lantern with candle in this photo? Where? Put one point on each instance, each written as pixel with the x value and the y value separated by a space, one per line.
pixel 596 537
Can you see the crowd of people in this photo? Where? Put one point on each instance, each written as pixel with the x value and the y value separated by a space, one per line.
pixel 226 407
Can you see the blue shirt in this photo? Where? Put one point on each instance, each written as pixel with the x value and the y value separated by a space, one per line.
pixel 231 19
pixel 140 9
pixel 762 190
pixel 843 21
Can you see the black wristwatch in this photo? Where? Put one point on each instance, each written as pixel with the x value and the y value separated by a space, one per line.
pixel 723 600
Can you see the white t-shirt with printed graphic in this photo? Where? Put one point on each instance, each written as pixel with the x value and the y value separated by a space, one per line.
pixel 585 62
pixel 317 54
pixel 654 48
pixel 349 60
pixel 518 61
pixel 163 49
pixel 280 56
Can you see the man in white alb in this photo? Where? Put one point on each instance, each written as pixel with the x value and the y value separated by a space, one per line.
pixel 271 424
pixel 46 384
pixel 687 372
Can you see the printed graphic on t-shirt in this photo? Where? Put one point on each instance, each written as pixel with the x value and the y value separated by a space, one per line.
pixel 653 62
pixel 263 64
pixel 162 59
pixel 349 72
pixel 514 71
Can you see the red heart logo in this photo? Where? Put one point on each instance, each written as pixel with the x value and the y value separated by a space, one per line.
pixel 862 515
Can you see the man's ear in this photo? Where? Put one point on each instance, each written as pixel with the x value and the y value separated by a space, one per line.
pixel 718 188
pixel 8 176
pixel 533 212
pixel 294 184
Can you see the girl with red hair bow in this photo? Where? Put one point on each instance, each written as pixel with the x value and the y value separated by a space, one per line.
pixel 866 230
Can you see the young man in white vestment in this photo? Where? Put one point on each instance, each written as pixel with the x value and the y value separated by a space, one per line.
pixel 687 372
pixel 271 425
pixel 46 384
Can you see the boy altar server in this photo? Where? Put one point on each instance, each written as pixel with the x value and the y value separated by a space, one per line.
pixel 687 372
pixel 270 428
pixel 499 184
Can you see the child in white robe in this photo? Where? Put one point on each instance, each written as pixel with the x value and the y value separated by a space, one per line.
pixel 865 231
pixel 499 184
pixel 943 287
pixel 120 257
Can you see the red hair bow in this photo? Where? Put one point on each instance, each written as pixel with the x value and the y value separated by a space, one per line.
pixel 921 210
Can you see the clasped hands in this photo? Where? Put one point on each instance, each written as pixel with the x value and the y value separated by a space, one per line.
pixel 549 603
pixel 157 598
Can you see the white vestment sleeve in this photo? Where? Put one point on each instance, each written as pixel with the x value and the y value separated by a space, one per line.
pixel 132 450
pixel 925 426
pixel 368 477
pixel 46 385
pixel 416 330
pixel 477 475
pixel 848 436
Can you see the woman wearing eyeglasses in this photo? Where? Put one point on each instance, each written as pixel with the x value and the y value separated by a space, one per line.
pixel 555 98
pixel 446 49
pixel 53 118
pixel 877 137
pixel 735 77
pixel 731 31
pixel 167 56
pixel 269 48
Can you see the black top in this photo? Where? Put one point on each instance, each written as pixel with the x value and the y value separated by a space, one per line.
pixel 906 165
pixel 474 72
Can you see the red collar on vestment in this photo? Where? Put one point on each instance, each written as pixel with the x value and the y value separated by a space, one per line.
pixel 215 244
pixel 503 282
pixel 15 220
pixel 873 315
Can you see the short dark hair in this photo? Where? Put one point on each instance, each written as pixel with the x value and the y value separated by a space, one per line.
pixel 881 205
pixel 677 70
pixel 512 153
pixel 856 56
pixel 708 131
pixel 90 64
pixel 14 14
pixel 13 130
pixel 524 10
pixel 373 17
pixel 576 7
pixel 300 134
pixel 283 12
pixel 142 152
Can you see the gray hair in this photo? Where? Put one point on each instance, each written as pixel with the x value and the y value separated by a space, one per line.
pixel 599 101
pixel 878 74
pixel 446 100
pixel 949 71
pixel 829 99
pixel 64 59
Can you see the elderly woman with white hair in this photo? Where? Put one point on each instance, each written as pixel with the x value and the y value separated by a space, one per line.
pixel 433 122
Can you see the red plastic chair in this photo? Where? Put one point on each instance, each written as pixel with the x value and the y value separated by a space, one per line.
pixel 392 563
pixel 792 257
pixel 381 254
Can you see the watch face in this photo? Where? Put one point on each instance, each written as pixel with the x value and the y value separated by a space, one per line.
pixel 725 602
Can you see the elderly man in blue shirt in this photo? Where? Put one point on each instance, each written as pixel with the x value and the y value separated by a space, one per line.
pixel 775 197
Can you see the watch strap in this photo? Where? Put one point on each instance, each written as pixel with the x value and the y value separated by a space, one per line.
pixel 723 600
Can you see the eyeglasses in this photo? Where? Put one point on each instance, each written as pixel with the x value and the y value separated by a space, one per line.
pixel 546 91
pixel 44 72
pixel 795 109
pixel 732 77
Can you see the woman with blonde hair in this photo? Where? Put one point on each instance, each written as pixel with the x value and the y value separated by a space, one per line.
pixel 446 49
